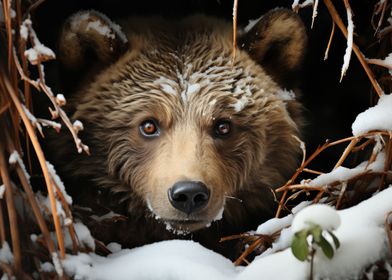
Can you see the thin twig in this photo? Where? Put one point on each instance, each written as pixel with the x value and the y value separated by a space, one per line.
pixel 12 215
pixel 336 18
pixel 42 161
pixel 330 41
pixel 235 12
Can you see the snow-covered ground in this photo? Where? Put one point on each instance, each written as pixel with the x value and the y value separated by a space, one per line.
pixel 361 234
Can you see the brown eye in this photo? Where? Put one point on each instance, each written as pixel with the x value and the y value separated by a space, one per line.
pixel 222 128
pixel 149 128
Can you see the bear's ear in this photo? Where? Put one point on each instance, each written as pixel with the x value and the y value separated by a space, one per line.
pixel 277 42
pixel 90 39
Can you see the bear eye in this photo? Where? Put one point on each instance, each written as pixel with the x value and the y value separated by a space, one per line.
pixel 149 128
pixel 222 128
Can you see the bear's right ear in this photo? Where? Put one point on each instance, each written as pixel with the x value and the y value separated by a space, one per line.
pixel 90 39
pixel 277 42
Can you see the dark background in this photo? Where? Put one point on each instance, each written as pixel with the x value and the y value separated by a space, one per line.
pixel 331 106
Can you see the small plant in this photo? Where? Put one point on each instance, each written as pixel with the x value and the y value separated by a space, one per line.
pixel 300 243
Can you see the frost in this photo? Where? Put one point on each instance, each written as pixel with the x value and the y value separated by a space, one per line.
pixel 378 117
pixel 6 255
pixel 323 215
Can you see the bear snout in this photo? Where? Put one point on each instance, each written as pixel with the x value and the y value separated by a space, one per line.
pixel 189 196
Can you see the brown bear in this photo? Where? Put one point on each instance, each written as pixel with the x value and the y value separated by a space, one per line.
pixel 185 141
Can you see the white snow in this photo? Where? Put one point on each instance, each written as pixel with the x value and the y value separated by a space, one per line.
pixel 114 247
pixel 2 190
pixel 388 59
pixel 58 182
pixel 77 126
pixel 240 104
pixel 104 27
pixel 286 95
pixel 251 24
pixel 167 85
pixel 60 99
pixel 378 117
pixel 321 214
pixel 6 255
pixel 32 118
pixel 47 267
pixel 101 28
pixel 15 158
pixel 343 174
pixel 23 30
pixel 349 48
pixel 361 234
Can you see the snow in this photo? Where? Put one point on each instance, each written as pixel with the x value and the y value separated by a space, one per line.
pixel 77 126
pixel 388 60
pixel 378 117
pixel 47 267
pixel 166 85
pixel 15 158
pixel 350 34
pixel 104 27
pixel 2 190
pixel 114 247
pixel 60 99
pixel 286 95
pixel 251 24
pixel 343 174
pixel 321 214
pixel 361 234
pixel 58 182
pixel 6 254
pixel 23 30
pixel 240 104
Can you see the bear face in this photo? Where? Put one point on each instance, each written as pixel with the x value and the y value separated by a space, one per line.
pixel 174 124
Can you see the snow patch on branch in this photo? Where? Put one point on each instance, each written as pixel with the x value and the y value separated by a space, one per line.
pixel 378 117
pixel 350 35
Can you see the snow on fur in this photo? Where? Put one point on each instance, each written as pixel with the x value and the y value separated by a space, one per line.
pixel 361 234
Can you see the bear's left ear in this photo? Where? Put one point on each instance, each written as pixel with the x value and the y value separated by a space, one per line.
pixel 277 42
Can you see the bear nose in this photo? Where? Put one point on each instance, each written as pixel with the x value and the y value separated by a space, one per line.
pixel 189 196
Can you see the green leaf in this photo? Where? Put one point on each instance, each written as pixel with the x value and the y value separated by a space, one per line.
pixel 299 245
pixel 326 247
pixel 335 239
pixel 316 233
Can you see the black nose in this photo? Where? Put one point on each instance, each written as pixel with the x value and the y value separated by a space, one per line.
pixel 189 196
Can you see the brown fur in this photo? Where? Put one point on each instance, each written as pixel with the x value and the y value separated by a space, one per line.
pixel 181 74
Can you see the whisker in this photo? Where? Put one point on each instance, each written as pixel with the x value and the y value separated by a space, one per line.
pixel 234 198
